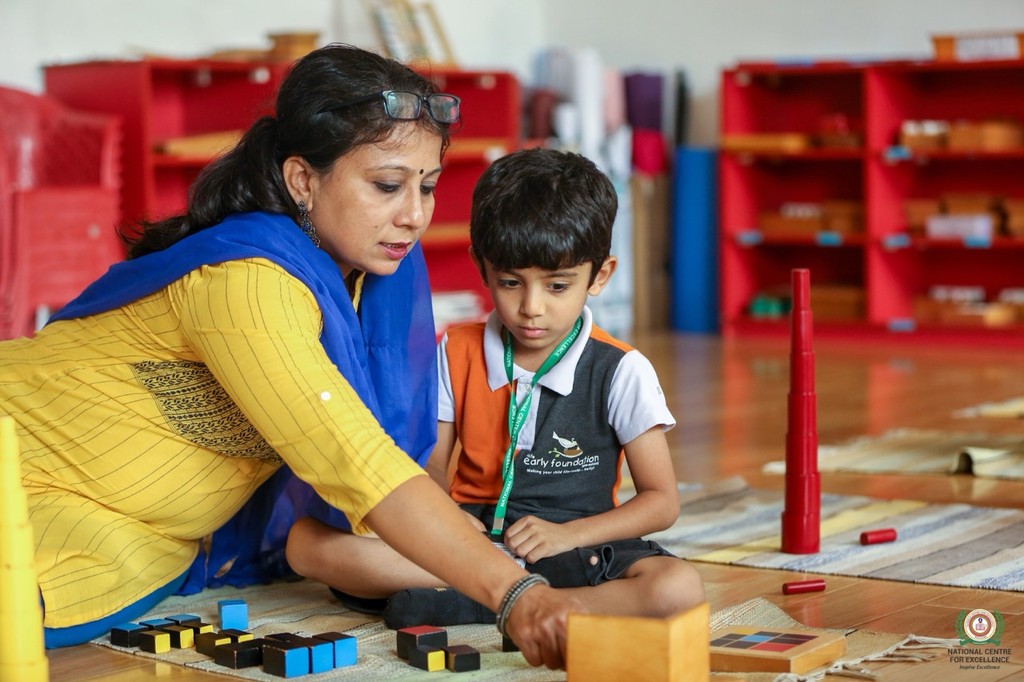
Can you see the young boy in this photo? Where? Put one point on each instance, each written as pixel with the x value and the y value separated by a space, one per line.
pixel 544 406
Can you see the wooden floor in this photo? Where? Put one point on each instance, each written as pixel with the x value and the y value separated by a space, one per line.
pixel 730 399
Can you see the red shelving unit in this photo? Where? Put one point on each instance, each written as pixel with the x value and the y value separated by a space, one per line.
pixel 890 266
pixel 166 99
pixel 490 128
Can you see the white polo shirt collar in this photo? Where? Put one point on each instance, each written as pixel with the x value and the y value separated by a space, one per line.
pixel 559 379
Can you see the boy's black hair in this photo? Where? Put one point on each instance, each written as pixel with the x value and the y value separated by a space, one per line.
pixel 543 208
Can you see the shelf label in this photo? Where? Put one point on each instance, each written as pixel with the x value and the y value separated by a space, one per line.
pixel 829 238
pixel 902 324
pixel 897 153
pixel 749 237
pixel 977 242
pixel 893 242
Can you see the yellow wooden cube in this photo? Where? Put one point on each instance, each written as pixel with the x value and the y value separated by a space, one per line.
pixel 615 648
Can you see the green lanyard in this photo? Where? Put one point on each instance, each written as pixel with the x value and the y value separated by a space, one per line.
pixel 517 415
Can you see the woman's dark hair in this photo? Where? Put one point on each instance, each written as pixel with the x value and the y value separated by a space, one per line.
pixel 307 123
pixel 543 208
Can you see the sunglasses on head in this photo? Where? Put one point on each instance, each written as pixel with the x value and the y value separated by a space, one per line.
pixel 408 106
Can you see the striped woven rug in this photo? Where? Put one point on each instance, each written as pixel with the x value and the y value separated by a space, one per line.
pixel 922 451
pixel 306 607
pixel 941 544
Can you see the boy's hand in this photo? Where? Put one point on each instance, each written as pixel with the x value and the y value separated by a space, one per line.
pixel 534 539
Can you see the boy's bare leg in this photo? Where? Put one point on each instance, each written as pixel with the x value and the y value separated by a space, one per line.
pixel 656 586
pixel 356 565
pixel 368 569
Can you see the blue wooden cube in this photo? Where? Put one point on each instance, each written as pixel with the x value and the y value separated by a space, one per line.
pixel 345 650
pixel 234 614
pixel 156 623
pixel 321 655
pixel 285 659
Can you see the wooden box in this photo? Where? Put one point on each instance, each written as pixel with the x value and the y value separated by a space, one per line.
pixel 979 314
pixel 1013 209
pixel 751 649
pixel 766 143
pixel 923 135
pixel 290 46
pixel 778 225
pixel 916 212
pixel 964 136
pixel 1001 135
pixel 794 218
pixel 978 46
pixel 605 648
pixel 966 202
pixel 846 217
pixel 837 302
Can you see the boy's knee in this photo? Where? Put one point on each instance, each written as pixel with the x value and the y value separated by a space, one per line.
pixel 678 588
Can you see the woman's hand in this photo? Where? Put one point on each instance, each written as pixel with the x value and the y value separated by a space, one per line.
pixel 539 623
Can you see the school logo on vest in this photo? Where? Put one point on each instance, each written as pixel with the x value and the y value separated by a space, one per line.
pixel 567 457
pixel 569 447
pixel 979 627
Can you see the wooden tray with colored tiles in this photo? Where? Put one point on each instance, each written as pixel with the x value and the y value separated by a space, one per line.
pixel 749 649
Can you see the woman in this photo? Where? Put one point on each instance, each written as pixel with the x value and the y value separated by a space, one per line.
pixel 269 331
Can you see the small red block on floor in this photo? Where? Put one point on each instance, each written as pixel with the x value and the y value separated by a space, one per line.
pixel 874 537
pixel 801 586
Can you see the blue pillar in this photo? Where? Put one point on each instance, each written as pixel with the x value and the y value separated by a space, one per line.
pixel 694 263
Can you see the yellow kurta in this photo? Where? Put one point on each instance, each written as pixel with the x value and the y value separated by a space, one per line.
pixel 145 428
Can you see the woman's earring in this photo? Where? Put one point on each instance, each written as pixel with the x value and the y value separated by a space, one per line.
pixel 307 225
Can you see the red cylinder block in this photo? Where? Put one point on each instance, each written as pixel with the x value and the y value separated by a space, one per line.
pixel 874 537
pixel 801 586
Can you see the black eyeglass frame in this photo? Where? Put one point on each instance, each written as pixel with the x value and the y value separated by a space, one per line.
pixel 422 104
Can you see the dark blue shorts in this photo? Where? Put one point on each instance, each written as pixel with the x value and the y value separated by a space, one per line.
pixel 576 567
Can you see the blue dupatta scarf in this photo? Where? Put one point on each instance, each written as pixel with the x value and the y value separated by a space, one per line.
pixel 386 353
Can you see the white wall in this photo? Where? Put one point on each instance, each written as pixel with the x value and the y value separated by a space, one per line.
pixel 697 37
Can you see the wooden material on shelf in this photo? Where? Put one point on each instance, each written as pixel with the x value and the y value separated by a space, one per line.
pixel 205 146
pixel 782 143
pixel 919 202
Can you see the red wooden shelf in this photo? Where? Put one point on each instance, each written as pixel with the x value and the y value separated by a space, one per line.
pixel 891 267
pixel 161 99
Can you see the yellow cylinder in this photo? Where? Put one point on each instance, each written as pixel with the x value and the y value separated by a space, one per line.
pixel 22 655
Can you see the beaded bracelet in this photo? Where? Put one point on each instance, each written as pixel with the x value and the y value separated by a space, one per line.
pixel 513 595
